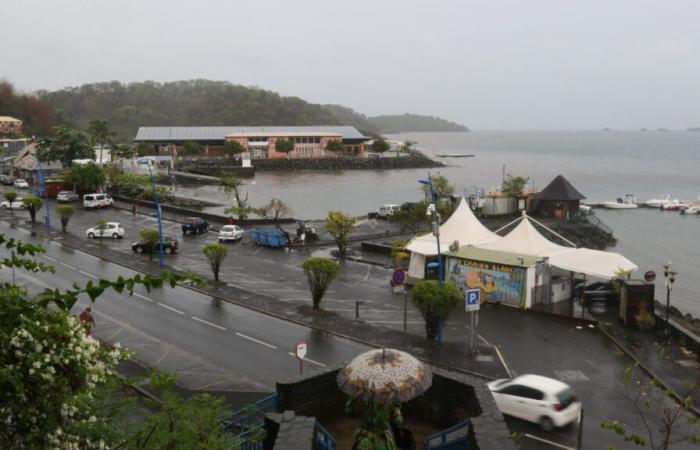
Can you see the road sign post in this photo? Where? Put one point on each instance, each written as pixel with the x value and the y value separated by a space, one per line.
pixel 471 305
pixel 300 353
pixel 398 278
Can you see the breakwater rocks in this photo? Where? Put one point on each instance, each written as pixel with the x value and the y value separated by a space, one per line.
pixel 415 160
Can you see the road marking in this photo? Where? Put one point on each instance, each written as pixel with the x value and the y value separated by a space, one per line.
pixel 142 297
pixel 390 321
pixel 369 269
pixel 170 308
pixel 68 265
pixel 554 444
pixel 503 361
pixel 256 341
pixel 50 258
pixel 209 323
pixel 309 360
pixel 88 274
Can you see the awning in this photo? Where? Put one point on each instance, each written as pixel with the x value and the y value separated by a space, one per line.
pixel 594 263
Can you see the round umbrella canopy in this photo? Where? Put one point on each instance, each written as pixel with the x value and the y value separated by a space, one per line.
pixel 384 376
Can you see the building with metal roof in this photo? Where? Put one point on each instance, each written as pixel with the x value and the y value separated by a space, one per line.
pixel 217 134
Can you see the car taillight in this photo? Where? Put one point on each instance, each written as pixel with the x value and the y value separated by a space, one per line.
pixel 558 406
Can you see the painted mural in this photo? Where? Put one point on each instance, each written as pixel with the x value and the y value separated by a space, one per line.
pixel 498 282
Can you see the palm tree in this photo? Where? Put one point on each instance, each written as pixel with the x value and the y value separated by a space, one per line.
pixel 100 134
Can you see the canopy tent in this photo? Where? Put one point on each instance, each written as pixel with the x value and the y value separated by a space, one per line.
pixel 462 226
pixel 525 239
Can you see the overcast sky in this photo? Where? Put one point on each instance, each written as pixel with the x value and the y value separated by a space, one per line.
pixel 487 64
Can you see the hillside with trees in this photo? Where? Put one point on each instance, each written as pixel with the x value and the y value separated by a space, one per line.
pixel 403 123
pixel 37 115
pixel 191 103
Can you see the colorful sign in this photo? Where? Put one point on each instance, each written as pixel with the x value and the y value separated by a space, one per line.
pixel 496 282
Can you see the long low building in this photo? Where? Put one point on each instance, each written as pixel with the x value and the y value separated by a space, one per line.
pixel 309 141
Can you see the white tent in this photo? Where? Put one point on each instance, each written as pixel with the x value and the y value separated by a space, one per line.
pixel 462 226
pixel 526 240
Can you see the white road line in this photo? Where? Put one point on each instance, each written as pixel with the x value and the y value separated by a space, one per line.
pixel 209 323
pixel 50 258
pixel 554 444
pixel 256 341
pixel 142 297
pixel 309 360
pixel 68 265
pixel 170 308
pixel 503 361
pixel 88 274
pixel 369 269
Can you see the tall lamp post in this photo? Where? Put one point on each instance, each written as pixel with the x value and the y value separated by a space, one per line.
pixel 670 279
pixel 432 211
pixel 160 223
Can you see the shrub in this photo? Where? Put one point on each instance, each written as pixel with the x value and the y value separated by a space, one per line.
pixel 319 272
pixel 435 303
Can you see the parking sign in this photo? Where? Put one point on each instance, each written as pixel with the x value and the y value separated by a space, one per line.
pixel 473 300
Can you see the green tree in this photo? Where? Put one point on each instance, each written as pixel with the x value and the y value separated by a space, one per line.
pixel 284 146
pixel 231 186
pixel 335 145
pixel 339 226
pixel 513 186
pixel 65 212
pixel 123 150
pixel 320 272
pixel 442 187
pixel 275 209
pixel 65 145
pixel 380 145
pixel 435 303
pixel 407 146
pixel 33 204
pixel 151 238
pixel 192 148
pixel 101 226
pixel 85 177
pixel 412 217
pixel 10 196
pixel 100 134
pixel 215 253
pixel 144 149
pixel 130 185
pixel 233 148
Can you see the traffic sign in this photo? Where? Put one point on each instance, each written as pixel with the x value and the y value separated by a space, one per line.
pixel 398 278
pixel 473 297
pixel 649 276
pixel 300 350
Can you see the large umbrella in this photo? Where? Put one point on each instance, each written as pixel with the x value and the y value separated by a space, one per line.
pixel 384 376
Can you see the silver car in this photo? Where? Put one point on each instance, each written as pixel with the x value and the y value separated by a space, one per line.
pixel 67 197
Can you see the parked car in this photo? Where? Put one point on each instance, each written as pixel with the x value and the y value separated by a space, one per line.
pixel 21 184
pixel 6 180
pixel 599 291
pixel 17 204
pixel 169 246
pixel 231 233
pixel 114 230
pixel 386 211
pixel 92 201
pixel 67 197
pixel 194 225
pixel 541 400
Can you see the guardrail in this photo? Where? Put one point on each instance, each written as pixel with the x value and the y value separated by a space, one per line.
pixel 246 423
pixel 453 438
pixel 324 439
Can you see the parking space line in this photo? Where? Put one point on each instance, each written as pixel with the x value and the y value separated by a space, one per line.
pixel 209 323
pixel 88 274
pixel 142 297
pixel 310 360
pixel 553 444
pixel 68 265
pixel 256 341
pixel 170 308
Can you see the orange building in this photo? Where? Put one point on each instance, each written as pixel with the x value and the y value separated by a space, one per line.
pixel 10 125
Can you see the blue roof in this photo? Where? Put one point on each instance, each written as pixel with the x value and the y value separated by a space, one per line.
pixel 169 134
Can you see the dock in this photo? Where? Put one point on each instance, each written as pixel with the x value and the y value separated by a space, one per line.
pixel 454 155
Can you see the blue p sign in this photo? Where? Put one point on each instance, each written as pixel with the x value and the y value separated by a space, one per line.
pixel 473 299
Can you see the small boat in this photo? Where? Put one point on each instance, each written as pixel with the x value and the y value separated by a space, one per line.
pixel 657 202
pixel 673 205
pixel 454 155
pixel 691 209
pixel 628 202
pixel 585 209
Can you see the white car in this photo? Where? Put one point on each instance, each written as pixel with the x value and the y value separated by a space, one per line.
pixel 541 400
pixel 114 230
pixel 21 184
pixel 231 233
pixel 386 211
pixel 17 204
pixel 91 201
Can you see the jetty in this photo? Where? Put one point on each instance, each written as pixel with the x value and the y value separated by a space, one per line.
pixel 454 155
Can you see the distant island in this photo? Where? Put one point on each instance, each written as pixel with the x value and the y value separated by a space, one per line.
pixel 403 123
pixel 694 129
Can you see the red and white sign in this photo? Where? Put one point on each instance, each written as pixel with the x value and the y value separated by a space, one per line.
pixel 300 350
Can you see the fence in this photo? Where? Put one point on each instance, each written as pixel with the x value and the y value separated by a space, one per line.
pixel 453 438
pixel 248 424
pixel 324 440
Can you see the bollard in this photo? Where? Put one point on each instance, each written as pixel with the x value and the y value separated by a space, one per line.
pixel 357 309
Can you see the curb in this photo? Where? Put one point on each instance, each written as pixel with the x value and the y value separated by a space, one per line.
pixel 259 310
pixel 647 370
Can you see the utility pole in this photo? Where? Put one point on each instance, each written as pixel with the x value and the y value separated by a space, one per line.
pixel 158 212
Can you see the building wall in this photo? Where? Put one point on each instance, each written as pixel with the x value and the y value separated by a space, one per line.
pixel 10 126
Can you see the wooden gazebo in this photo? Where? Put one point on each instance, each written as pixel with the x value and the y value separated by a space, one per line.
pixel 559 200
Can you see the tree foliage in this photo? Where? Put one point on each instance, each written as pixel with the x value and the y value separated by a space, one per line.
pixel 514 186
pixel 339 226
pixel 233 148
pixel 101 134
pixel 407 123
pixel 215 253
pixel 64 145
pixel 10 196
pixel 33 204
pixel 37 115
pixel 334 145
pixel 284 146
pixel 151 238
pixel 231 186
pixel 380 145
pixel 275 209
pixel 101 226
pixel 192 148
pixel 442 188
pixel 320 272
pixel 435 303
pixel 411 216
pixel 85 177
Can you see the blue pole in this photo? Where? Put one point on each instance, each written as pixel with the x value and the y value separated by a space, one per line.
pixel 46 196
pixel 160 223
pixel 437 236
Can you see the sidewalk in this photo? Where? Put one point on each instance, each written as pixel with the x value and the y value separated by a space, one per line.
pixel 674 366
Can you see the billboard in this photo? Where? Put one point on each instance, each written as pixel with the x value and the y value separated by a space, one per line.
pixel 497 282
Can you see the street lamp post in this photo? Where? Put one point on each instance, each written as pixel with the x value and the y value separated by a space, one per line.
pixel 432 211
pixel 670 279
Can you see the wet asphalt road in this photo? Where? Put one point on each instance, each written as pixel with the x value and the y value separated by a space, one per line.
pixel 210 344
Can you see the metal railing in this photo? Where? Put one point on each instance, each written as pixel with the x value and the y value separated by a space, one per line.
pixel 247 423
pixel 593 220
pixel 324 439
pixel 453 438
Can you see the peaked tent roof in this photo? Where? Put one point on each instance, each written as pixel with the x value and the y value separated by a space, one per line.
pixel 462 226
pixel 559 189
pixel 525 239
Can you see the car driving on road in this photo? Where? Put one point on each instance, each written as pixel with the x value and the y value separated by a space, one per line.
pixel 231 233
pixel 91 201
pixel 17 204
pixel 67 197
pixel 6 180
pixel 169 246
pixel 541 400
pixel 21 184
pixel 114 230
pixel 194 225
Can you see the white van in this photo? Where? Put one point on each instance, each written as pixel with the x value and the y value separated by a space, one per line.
pixel 91 201
pixel 387 210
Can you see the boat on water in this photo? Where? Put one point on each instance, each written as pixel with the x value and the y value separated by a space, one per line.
pixel 454 155
pixel 691 210
pixel 626 202
pixel 657 202
pixel 674 205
